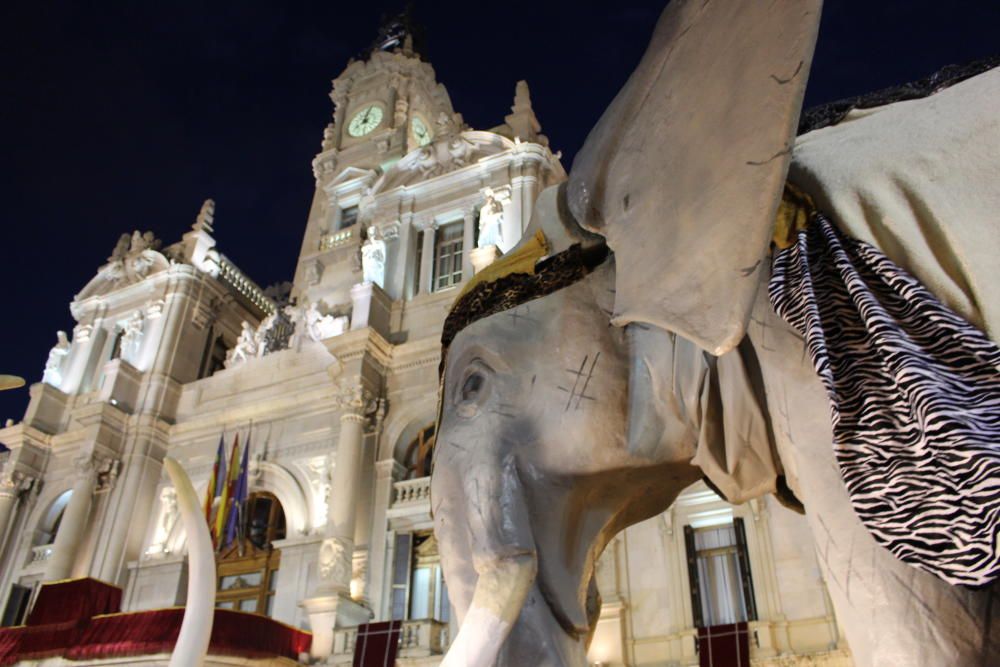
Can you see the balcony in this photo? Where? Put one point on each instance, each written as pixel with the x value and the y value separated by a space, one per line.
pixel 412 491
pixel 411 505
pixel 417 639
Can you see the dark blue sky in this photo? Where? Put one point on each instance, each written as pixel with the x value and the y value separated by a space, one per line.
pixel 121 116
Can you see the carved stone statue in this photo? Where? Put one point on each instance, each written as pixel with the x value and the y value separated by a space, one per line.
pixel 373 258
pixel 132 337
pixel 319 326
pixel 53 365
pixel 246 347
pixel 490 220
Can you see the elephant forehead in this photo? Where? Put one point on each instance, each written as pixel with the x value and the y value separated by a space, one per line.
pixel 545 328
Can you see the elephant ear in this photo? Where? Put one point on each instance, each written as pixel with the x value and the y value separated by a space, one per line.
pixel 684 171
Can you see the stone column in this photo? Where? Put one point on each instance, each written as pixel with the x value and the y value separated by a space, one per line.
pixel 75 366
pixel 332 606
pixel 13 483
pixel 74 521
pixel 9 492
pixel 529 192
pixel 125 504
pixel 341 521
pixel 427 261
pixel 468 242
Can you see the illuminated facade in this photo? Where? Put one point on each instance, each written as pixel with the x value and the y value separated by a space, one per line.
pixel 334 383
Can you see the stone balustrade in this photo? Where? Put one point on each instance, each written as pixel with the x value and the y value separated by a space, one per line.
pixel 335 239
pixel 41 553
pixel 412 491
pixel 422 638
pixel 417 639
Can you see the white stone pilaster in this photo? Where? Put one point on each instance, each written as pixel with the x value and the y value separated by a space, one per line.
pixel 427 261
pixel 113 566
pixel 468 242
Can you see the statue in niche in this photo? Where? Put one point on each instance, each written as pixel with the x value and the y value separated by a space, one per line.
pixel 373 258
pixel 53 365
pixel 132 337
pixel 490 220
pixel 246 346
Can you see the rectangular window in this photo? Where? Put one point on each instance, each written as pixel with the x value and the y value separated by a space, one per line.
pixel 719 574
pixel 348 217
pixel 17 605
pixel 213 358
pixel 418 587
pixel 448 256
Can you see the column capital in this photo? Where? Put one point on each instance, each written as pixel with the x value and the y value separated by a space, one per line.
pixel 14 482
pixel 356 400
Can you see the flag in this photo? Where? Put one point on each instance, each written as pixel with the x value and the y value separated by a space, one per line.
pixel 227 482
pixel 213 484
pixel 235 520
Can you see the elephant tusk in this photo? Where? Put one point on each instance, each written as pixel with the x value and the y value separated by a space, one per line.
pixel 199 611
pixel 500 593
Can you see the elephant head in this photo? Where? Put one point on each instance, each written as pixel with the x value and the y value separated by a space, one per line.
pixel 578 388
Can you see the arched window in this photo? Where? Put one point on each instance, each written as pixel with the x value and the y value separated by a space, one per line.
pixel 265 519
pixel 419 453
pixel 248 568
pixel 49 525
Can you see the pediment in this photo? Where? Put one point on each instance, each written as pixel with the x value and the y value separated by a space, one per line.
pixel 349 174
pixel 123 272
pixel 443 156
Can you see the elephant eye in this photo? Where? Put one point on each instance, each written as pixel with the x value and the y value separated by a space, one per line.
pixel 473 384
pixel 473 390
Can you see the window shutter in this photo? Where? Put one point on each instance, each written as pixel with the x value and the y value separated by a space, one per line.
pixel 746 580
pixel 692 563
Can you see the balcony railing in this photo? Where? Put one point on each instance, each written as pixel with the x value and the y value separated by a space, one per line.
pixel 335 239
pixel 417 639
pixel 412 492
pixel 41 553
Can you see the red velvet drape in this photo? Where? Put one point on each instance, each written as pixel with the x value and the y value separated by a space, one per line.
pixel 74 599
pixel 148 632
pixel 724 646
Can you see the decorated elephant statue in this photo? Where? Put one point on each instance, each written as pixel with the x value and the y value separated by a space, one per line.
pixel 716 294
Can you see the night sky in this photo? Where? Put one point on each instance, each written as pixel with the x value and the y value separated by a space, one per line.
pixel 122 116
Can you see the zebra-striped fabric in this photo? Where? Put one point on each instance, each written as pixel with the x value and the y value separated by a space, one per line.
pixel 915 401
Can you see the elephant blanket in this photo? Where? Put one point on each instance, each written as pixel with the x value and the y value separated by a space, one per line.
pixel 914 387
pixel 915 401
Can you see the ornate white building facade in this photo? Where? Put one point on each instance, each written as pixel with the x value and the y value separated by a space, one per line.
pixel 335 385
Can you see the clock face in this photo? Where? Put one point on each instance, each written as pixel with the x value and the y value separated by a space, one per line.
pixel 420 131
pixel 365 120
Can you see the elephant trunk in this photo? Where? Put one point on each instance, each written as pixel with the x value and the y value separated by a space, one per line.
pixel 501 589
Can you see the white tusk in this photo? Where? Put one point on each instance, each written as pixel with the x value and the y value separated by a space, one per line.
pixel 199 612
pixel 496 603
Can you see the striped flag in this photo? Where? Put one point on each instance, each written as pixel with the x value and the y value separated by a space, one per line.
pixel 213 482
pixel 235 521
pixel 228 486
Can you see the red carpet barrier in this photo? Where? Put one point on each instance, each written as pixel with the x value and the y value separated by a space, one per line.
pixel 74 600
pixel 233 633
pixel 147 632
